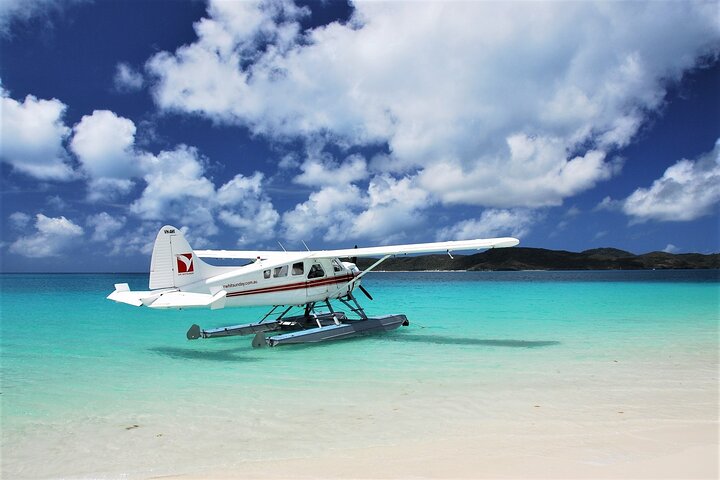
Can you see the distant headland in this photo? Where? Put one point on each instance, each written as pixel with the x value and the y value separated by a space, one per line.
pixel 523 258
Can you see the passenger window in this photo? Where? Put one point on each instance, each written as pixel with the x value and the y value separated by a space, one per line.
pixel 336 265
pixel 298 268
pixel 280 271
pixel 316 271
pixel 266 273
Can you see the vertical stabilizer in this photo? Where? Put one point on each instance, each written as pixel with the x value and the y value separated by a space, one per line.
pixel 173 263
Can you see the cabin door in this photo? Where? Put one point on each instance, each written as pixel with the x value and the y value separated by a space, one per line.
pixel 317 276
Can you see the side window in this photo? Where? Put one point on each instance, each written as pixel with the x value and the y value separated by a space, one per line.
pixel 298 268
pixel 337 267
pixel 316 271
pixel 280 271
pixel 266 273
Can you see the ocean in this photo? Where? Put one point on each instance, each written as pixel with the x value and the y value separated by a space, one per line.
pixel 95 389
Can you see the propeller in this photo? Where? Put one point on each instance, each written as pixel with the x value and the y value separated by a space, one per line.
pixel 367 294
pixel 354 259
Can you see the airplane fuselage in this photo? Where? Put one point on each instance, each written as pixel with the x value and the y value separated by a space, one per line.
pixel 267 282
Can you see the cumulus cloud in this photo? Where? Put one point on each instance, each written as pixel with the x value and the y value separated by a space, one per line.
pixel 104 225
pixel 19 220
pixel 393 207
pixel 507 104
pixel 31 137
pixel 23 10
pixel 384 213
pixel 492 223
pixel 537 173
pixel 104 145
pixel 689 189
pixel 670 248
pixel 325 171
pixel 127 79
pixel 328 213
pixel 52 236
pixel 244 206
pixel 176 189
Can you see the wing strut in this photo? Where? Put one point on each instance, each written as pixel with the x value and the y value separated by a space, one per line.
pixel 351 282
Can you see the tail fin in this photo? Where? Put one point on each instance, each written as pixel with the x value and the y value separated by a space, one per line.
pixel 174 263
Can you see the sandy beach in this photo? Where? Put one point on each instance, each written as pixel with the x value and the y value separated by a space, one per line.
pixel 616 419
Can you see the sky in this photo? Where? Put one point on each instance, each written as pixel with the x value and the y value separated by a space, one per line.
pixel 569 125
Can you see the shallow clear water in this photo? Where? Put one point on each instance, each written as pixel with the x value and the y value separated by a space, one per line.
pixel 70 357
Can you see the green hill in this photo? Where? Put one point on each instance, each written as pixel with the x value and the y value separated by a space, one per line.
pixel 523 258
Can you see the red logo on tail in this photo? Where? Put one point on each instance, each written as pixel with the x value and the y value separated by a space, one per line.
pixel 185 263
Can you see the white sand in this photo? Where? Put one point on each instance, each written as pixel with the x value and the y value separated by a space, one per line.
pixel 614 419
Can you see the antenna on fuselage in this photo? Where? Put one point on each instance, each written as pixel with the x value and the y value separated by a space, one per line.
pixel 281 246
pixel 305 244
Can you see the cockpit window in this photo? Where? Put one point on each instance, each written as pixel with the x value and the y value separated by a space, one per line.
pixel 280 271
pixel 316 271
pixel 266 273
pixel 337 266
pixel 298 268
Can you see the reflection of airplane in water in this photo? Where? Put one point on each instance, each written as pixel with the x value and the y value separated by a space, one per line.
pixel 311 280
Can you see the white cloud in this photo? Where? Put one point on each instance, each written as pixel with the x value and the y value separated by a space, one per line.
pixel 31 137
pixel 126 78
pixel 104 226
pixel 104 144
pixel 670 248
pixel 609 204
pixel 329 213
pixel 385 213
pixel 537 173
pixel 176 189
pixel 325 171
pixel 23 10
pixel 56 202
pixel 19 220
pixel 488 103
pixel 140 239
pixel 51 237
pixel 492 223
pixel 245 207
pixel 393 207
pixel 689 189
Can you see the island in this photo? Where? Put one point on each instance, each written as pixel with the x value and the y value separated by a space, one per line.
pixel 525 258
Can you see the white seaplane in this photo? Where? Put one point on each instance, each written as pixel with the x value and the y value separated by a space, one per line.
pixel 278 279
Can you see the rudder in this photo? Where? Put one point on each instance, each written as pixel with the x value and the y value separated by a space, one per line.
pixel 173 262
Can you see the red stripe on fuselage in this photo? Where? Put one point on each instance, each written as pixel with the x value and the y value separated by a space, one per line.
pixel 294 286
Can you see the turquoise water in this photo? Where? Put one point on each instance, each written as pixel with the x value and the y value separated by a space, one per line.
pixel 70 356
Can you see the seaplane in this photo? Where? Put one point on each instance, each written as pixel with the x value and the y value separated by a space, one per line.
pixel 311 281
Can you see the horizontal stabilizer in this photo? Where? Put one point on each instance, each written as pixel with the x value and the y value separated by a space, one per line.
pixel 122 294
pixel 168 298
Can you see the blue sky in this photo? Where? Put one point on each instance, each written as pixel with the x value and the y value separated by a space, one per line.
pixel 568 125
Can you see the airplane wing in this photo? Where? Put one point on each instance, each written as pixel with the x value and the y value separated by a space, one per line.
pixel 434 247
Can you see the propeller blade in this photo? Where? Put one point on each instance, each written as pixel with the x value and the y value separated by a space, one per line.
pixel 354 259
pixel 367 294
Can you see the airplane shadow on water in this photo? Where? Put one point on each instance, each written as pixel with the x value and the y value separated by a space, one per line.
pixel 240 354
pixel 446 340
pixel 227 355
